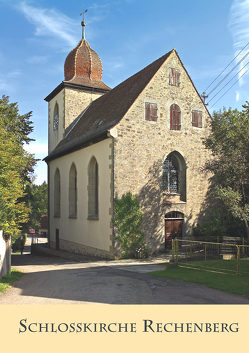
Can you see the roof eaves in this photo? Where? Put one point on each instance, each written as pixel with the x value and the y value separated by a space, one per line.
pixel 77 145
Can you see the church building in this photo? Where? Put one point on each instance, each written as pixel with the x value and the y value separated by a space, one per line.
pixel 143 136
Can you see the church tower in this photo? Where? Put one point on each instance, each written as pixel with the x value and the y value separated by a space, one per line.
pixel 82 84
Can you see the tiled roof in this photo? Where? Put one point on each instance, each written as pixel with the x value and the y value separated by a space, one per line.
pixel 83 66
pixel 106 111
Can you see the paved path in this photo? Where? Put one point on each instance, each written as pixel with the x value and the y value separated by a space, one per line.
pixel 51 280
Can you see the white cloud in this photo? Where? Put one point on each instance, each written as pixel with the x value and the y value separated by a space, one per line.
pixel 14 73
pixel 238 25
pixel 51 23
pixel 37 59
pixel 37 148
pixel 238 22
pixel 237 96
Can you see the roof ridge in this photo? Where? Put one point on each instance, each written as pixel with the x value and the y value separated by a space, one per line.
pixel 106 111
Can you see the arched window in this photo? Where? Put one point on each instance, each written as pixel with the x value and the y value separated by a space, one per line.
pixel 174 175
pixel 73 192
pixel 57 194
pixel 93 207
pixel 170 175
pixel 56 117
pixel 175 117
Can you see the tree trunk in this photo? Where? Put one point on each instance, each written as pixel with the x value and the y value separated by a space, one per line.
pixel 247 229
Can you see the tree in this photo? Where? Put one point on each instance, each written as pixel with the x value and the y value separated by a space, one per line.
pixel 229 144
pixel 36 199
pixel 128 219
pixel 16 166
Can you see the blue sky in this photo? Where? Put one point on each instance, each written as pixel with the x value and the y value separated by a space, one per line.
pixel 37 35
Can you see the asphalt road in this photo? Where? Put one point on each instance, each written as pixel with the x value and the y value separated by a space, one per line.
pixel 51 280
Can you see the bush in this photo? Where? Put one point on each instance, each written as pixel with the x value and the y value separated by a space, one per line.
pixel 16 245
pixel 128 219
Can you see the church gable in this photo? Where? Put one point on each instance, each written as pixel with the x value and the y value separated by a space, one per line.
pixel 158 151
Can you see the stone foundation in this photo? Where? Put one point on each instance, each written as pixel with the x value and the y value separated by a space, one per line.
pixel 81 249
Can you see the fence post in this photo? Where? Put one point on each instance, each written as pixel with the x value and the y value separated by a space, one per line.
pixel 218 250
pixel 173 250
pixel 238 259
pixel 190 249
pixel 243 243
pixel 205 255
pixel 176 248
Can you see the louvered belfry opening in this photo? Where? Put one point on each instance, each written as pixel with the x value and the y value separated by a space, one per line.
pixel 93 208
pixel 174 77
pixel 171 175
pixel 175 117
pixel 57 194
pixel 197 118
pixel 150 111
pixel 73 192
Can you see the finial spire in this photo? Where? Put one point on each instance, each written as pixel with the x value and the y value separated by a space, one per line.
pixel 83 23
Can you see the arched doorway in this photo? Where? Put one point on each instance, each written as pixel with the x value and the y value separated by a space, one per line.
pixel 173 227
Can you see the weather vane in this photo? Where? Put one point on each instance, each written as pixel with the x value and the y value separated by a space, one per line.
pixel 83 23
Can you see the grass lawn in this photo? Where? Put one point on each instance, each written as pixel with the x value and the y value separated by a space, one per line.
pixel 7 280
pixel 228 282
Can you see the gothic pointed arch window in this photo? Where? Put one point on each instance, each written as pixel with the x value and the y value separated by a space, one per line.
pixel 175 117
pixel 56 117
pixel 174 175
pixel 73 192
pixel 170 175
pixel 93 176
pixel 57 194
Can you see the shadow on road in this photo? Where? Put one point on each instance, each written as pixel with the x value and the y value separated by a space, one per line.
pixel 108 284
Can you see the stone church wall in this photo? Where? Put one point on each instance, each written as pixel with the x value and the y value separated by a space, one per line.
pixel 76 101
pixel 141 147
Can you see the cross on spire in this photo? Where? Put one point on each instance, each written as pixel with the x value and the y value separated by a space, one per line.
pixel 83 23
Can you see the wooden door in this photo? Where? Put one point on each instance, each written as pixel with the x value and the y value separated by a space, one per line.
pixel 57 239
pixel 173 229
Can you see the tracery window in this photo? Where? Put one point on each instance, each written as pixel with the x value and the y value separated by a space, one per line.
pixel 73 192
pixel 56 117
pixel 171 175
pixel 93 208
pixel 175 117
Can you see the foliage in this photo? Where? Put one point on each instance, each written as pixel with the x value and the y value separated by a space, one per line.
pixel 7 280
pixel 128 219
pixel 36 199
pixel 16 243
pixel 229 143
pixel 218 224
pixel 16 167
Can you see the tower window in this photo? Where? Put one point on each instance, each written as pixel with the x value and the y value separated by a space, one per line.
pixel 56 117
pixel 150 111
pixel 174 77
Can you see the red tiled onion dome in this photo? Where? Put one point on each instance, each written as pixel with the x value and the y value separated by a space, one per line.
pixel 83 66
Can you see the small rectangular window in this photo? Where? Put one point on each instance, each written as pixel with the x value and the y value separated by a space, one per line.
pixel 174 77
pixel 196 118
pixel 151 111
